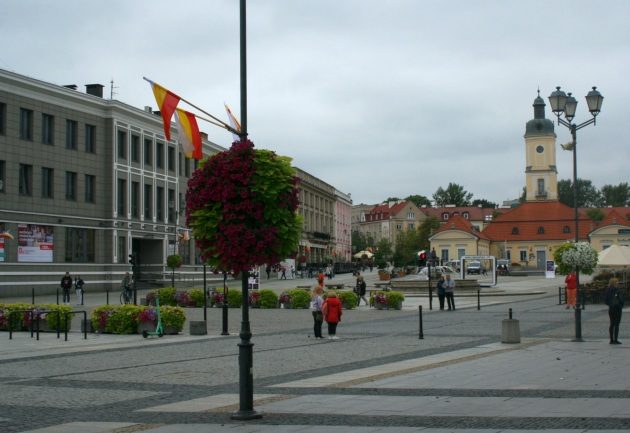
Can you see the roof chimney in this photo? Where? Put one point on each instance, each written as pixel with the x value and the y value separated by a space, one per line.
pixel 71 86
pixel 148 108
pixel 204 136
pixel 94 90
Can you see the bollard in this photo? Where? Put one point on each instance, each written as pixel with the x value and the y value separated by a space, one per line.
pixel 510 331
pixel 430 298
pixel 559 295
pixel 421 333
pixel 578 324
pixel 107 296
pixel 478 299
pixel 57 295
pixel 33 295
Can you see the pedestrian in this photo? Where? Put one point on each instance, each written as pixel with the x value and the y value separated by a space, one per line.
pixel 66 285
pixel 360 289
pixel 78 288
pixel 441 291
pixel 284 273
pixel 268 271
pixel 292 272
pixel 449 289
pixel 571 290
pixel 125 285
pixel 614 300
pixel 332 313
pixel 317 303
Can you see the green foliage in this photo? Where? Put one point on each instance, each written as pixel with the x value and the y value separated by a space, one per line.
pixel 407 246
pixel 300 298
pixel 268 299
pixel 595 214
pixel 124 320
pixel 358 241
pixel 383 251
pixel 20 320
pixel 484 203
pixel 348 299
pixel 616 196
pixel 583 253
pixel 235 298
pixel 588 195
pixel 196 295
pixel 167 296
pixel 453 194
pixel 394 298
pixel 419 200
pixel 174 261
pixel 173 317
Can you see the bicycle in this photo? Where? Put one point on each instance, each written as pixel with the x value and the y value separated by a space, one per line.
pixel 125 296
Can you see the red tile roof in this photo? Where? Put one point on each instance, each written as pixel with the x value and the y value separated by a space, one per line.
pixel 475 213
pixel 383 211
pixel 459 223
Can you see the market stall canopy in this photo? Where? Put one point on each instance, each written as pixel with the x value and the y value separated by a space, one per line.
pixel 365 253
pixel 614 255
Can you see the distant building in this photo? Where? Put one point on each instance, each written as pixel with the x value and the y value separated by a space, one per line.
pixel 388 220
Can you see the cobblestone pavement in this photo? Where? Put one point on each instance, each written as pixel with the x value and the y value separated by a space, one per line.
pixel 378 377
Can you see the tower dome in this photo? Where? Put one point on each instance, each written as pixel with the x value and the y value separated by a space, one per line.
pixel 539 125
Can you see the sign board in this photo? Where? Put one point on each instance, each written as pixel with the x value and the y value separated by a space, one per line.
pixel 550 269
pixel 35 243
pixel 483 259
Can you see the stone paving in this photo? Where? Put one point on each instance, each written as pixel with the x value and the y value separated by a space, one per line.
pixel 378 377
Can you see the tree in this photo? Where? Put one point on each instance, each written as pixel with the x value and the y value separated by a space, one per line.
pixel 419 200
pixel 453 194
pixel 407 247
pixel 391 199
pixel 383 251
pixel 174 261
pixel 595 214
pixel 426 230
pixel 571 255
pixel 588 195
pixel 484 203
pixel 616 196
pixel 523 196
pixel 358 241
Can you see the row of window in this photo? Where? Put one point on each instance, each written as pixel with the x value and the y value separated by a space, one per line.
pixel 47 134
pixel 131 149
pixel 541 230
pixel 148 199
pixel 47 177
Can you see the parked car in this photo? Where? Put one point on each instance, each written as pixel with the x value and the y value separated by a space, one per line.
pixel 455 264
pixel 474 267
pixel 436 272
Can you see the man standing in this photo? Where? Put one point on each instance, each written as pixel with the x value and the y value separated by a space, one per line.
pixel 449 289
pixel 78 287
pixel 66 285
pixel 615 301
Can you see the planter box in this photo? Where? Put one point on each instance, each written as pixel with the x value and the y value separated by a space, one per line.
pixel 384 277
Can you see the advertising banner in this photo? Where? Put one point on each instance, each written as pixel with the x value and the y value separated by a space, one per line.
pixel 35 243
pixel 550 271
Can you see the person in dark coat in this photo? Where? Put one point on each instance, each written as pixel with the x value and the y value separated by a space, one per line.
pixel 615 301
pixel 66 285
pixel 441 291
pixel 360 290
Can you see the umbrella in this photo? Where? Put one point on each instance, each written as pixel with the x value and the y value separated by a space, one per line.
pixel 365 253
pixel 6 235
pixel 615 255
pixel 421 252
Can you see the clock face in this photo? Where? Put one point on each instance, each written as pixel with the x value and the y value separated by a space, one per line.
pixel 540 149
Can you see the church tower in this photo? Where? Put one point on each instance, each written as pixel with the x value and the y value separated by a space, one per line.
pixel 541 174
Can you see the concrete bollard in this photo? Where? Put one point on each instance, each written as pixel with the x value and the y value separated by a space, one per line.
pixel 198 327
pixel 510 330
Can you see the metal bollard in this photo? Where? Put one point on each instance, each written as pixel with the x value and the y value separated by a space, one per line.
pixel 430 298
pixel 107 296
pixel 478 299
pixel 421 334
pixel 510 314
pixel 33 295
pixel 57 295
pixel 559 295
pixel 578 324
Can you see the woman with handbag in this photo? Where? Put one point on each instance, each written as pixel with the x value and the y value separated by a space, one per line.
pixel 316 308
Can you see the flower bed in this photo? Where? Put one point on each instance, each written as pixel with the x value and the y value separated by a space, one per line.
pixel 131 319
pixel 48 318
pixel 391 299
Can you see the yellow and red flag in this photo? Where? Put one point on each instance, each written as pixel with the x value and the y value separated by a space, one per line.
pixel 233 122
pixel 167 103
pixel 189 135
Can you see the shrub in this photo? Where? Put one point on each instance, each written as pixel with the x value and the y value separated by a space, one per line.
pixel 394 298
pixel 268 299
pixel 299 298
pixel 173 317
pixel 124 319
pixel 348 299
pixel 167 296
pixel 235 298
pixel 196 297
pixel 22 320
pixel 254 298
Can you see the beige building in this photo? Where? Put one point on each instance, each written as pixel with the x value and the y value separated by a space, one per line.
pixel 388 220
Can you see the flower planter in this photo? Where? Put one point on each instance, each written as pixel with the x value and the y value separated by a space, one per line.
pixel 146 326
pixel 380 306
pixel 384 277
pixel 286 305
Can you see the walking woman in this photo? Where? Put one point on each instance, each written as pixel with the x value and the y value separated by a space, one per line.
pixel 614 300
pixel 332 313
pixel 316 308
pixel 571 282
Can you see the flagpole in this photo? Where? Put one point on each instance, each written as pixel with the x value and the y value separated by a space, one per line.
pixel 221 123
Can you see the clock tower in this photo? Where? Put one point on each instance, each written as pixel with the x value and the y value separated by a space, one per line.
pixel 541 174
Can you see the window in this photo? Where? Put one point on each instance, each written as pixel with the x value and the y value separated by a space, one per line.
pixel 90 138
pixel 523 255
pixel 26 180
pixel 3 118
pixel 445 216
pixel 187 167
pixel 461 252
pixel 26 124
pixel 122 144
pixel 122 197
pixel 181 162
pixel 566 229
pixel 148 152
pixel 72 134
pixel 411 216
pixel 48 182
pixel 148 201
pixel 515 230
pixel 71 185
pixel 159 203
pixel 48 129
pixel 135 148
pixel 80 245
pixel 410 226
pixel 444 255
pixel 135 197
pixel 122 249
pixel 398 226
pixel 182 203
pixel 171 205
pixel 2 175
pixel 171 158
pixel 159 155
pixel 541 186
pixel 541 230
pixel 90 188
pixel 466 215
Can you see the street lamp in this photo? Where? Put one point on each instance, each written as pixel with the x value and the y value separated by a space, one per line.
pixel 567 104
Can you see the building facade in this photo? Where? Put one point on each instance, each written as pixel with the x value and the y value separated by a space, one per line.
pixel 389 220
pixel 343 227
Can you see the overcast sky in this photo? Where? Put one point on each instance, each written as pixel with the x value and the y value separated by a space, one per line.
pixel 377 98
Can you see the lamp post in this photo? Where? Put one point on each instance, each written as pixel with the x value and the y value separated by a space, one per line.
pixel 567 104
